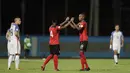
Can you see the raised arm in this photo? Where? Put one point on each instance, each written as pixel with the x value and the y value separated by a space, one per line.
pixel 66 25
pixel 75 25
pixel 72 25
pixel 64 21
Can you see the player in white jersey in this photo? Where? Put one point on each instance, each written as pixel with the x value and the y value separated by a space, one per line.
pixel 116 42
pixel 15 47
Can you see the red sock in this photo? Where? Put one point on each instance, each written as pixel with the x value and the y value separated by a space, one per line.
pixel 85 62
pixel 82 60
pixel 47 59
pixel 55 59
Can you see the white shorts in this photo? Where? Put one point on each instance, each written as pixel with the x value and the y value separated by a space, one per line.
pixel 116 47
pixel 14 47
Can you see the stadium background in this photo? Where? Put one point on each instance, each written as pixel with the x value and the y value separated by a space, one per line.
pixel 36 16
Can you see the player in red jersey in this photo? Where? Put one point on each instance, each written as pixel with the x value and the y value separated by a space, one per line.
pixel 54 43
pixel 82 27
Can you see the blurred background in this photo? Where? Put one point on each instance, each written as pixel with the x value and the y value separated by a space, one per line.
pixel 37 15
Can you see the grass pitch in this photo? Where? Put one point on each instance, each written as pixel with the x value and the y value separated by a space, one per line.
pixel 68 66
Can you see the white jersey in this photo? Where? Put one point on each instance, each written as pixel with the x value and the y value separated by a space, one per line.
pixel 117 37
pixel 14 28
pixel 14 45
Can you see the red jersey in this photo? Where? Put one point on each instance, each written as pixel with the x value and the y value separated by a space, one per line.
pixel 54 35
pixel 83 32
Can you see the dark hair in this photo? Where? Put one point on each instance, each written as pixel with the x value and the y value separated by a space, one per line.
pixel 54 21
pixel 116 25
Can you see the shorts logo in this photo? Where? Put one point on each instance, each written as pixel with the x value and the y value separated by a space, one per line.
pixel 81 46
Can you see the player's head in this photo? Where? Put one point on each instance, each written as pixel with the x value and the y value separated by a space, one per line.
pixel 117 27
pixel 54 22
pixel 27 35
pixel 17 20
pixel 81 16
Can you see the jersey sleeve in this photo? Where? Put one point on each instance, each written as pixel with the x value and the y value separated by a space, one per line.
pixel 16 28
pixel 82 25
pixel 58 27
pixel 111 37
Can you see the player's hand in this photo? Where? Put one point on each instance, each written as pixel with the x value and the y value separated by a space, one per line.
pixel 110 46
pixel 67 19
pixel 72 19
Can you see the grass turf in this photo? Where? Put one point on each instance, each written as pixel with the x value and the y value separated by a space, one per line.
pixel 68 66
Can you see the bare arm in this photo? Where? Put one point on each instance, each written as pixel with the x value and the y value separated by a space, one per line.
pixel 72 25
pixel 7 35
pixel 64 21
pixel 75 25
pixel 17 34
pixel 110 41
pixel 66 25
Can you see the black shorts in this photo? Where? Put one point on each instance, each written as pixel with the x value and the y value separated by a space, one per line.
pixel 83 45
pixel 54 49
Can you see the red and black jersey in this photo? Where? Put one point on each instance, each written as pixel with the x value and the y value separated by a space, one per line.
pixel 83 32
pixel 54 35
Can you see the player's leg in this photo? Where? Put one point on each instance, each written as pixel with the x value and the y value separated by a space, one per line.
pixel 17 61
pixel 10 57
pixel 17 55
pixel 85 43
pixel 10 54
pixel 48 58
pixel 55 58
pixel 81 56
pixel 118 52
pixel 115 56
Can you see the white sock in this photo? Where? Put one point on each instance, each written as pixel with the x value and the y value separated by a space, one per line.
pixel 119 51
pixel 10 60
pixel 115 58
pixel 17 61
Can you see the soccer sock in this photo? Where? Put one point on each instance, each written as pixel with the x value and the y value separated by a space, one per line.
pixel 82 60
pixel 85 62
pixel 55 59
pixel 47 59
pixel 17 61
pixel 10 60
pixel 115 58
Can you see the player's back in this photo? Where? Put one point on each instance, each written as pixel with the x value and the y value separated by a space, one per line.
pixel 13 29
pixel 83 31
pixel 54 35
pixel 116 37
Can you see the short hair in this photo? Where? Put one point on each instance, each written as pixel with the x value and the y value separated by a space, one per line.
pixel 83 14
pixel 16 18
pixel 116 25
pixel 54 21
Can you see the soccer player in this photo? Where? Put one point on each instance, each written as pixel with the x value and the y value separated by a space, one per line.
pixel 82 27
pixel 116 42
pixel 54 43
pixel 15 47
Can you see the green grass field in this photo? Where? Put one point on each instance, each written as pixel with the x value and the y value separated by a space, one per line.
pixel 68 66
